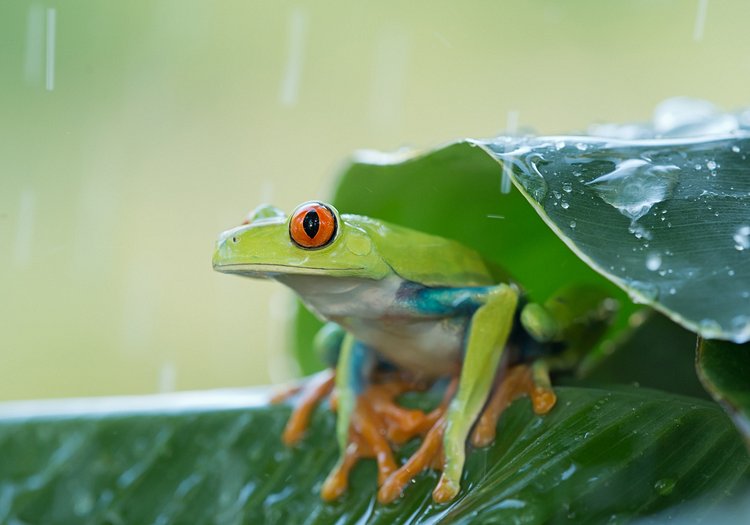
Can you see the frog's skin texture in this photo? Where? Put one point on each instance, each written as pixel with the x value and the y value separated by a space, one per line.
pixel 424 305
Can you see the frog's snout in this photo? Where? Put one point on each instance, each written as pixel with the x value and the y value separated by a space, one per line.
pixel 224 251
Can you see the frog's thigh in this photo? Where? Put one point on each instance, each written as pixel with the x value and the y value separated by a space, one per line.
pixel 488 332
pixel 355 362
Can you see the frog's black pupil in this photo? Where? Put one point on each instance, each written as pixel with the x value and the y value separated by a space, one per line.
pixel 311 223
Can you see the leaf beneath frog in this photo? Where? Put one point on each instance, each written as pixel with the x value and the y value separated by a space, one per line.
pixel 455 192
pixel 667 220
pixel 724 369
pixel 597 455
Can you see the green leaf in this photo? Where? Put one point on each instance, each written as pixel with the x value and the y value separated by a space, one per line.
pixel 455 192
pixel 724 369
pixel 597 457
pixel 656 353
pixel 667 220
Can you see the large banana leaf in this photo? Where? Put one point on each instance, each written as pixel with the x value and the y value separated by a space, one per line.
pixel 599 456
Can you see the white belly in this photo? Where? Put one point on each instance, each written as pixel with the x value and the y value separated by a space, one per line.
pixel 369 310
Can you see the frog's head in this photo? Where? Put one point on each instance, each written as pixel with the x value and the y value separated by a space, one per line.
pixel 313 240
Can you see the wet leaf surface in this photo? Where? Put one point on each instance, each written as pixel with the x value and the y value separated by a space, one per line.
pixel 724 369
pixel 668 220
pixel 626 453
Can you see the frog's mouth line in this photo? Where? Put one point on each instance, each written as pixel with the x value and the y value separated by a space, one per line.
pixel 267 270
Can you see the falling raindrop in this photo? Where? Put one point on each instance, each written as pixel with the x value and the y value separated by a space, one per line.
pixel 49 76
pixel 700 20
pixel 297 36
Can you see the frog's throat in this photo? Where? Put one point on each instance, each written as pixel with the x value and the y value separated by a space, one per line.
pixel 269 271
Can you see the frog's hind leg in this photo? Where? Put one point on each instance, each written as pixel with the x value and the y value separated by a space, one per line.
pixel 312 392
pixel 519 380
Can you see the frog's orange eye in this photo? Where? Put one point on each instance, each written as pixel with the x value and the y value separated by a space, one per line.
pixel 313 225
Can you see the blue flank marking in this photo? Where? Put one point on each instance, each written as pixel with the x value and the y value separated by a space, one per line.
pixel 362 361
pixel 442 301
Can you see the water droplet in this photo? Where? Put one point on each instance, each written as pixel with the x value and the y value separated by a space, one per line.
pixel 580 146
pixel 643 292
pixel 573 224
pixel 736 149
pixel 689 117
pixel 653 261
pixel 741 329
pixel 698 167
pixel 564 205
pixel 635 185
pixel 567 187
pixel 730 273
pixel 711 165
pixel 560 144
pixel 672 291
pixel 664 486
pixel 568 472
pixel 531 178
pixel 709 328
pixel 742 238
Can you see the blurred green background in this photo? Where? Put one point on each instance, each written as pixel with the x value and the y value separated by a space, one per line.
pixel 132 133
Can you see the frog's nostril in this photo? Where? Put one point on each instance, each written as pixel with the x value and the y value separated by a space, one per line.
pixel 234 240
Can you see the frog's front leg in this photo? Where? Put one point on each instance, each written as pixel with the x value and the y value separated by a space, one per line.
pixel 488 333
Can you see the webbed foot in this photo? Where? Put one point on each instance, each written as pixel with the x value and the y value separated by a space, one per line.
pixel 519 380
pixel 377 422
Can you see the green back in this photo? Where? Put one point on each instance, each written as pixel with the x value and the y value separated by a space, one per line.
pixel 424 258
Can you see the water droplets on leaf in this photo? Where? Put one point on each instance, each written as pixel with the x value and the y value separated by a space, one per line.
pixel 689 117
pixel 635 185
pixel 742 238
pixel 664 486
pixel 643 292
pixel 653 261
pixel 709 328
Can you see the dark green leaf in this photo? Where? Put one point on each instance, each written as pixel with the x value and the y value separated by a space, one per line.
pixel 724 369
pixel 596 457
pixel 657 353
pixel 667 220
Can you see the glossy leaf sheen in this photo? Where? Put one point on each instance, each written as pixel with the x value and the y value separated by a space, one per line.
pixel 724 369
pixel 667 220
pixel 598 454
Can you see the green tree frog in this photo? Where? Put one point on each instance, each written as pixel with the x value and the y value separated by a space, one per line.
pixel 403 308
